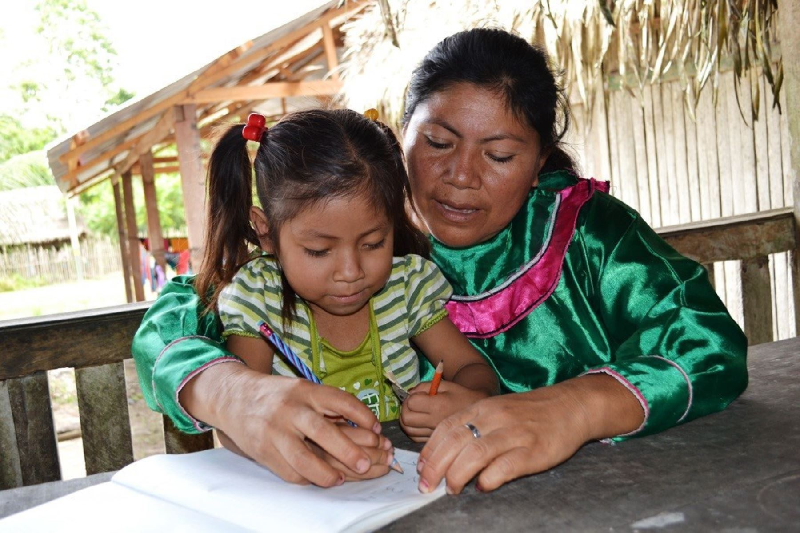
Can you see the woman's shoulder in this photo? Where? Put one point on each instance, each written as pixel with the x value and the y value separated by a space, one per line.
pixel 606 215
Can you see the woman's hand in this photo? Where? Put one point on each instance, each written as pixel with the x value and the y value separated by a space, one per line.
pixel 269 418
pixel 378 448
pixel 525 433
pixel 422 413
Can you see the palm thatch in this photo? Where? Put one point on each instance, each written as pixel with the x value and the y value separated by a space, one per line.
pixel 638 40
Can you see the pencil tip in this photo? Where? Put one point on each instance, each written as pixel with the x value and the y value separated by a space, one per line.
pixel 396 466
pixel 440 366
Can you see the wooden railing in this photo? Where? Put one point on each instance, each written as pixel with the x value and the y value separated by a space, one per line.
pixel 749 239
pixel 96 342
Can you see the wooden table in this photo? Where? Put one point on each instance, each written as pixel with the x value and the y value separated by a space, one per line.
pixel 736 470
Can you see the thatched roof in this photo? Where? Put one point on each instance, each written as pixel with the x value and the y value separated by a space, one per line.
pixel 588 39
pixel 34 215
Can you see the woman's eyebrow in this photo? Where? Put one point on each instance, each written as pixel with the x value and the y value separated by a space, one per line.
pixel 498 137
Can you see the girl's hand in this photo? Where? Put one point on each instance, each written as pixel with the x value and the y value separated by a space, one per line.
pixel 421 413
pixel 378 448
pixel 525 433
pixel 269 419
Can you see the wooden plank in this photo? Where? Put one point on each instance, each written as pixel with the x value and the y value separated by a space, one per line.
pixel 761 150
pixel 692 165
pixel 617 181
pixel 740 237
pixel 651 155
pixel 133 236
pixel 85 338
pixel 668 149
pixel 176 441
pixel 122 232
pixel 275 89
pixel 192 179
pixel 774 148
pixel 757 300
pixel 156 134
pixel 330 50
pixel 32 415
pixel 710 271
pixel 154 234
pixel 710 204
pixel 724 149
pixel 10 469
pixel 639 140
pixel 105 425
pixel 626 150
pixel 597 147
pixel 748 174
pixel 667 216
pixel 72 175
pixel 681 169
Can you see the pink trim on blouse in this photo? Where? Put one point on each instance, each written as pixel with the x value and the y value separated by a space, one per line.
pixel 197 424
pixel 496 311
pixel 631 387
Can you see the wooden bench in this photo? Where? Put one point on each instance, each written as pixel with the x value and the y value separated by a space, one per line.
pixel 96 342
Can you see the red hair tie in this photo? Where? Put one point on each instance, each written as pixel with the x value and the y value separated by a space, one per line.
pixel 255 128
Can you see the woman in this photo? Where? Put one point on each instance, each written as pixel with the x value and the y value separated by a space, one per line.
pixel 597 326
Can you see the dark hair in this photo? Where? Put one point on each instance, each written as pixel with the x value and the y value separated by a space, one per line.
pixel 307 157
pixel 512 67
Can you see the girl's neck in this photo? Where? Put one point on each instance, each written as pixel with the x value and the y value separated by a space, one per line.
pixel 344 333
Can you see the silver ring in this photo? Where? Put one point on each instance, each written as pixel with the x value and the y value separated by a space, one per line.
pixel 474 430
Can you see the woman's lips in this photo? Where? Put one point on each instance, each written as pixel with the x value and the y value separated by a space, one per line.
pixel 455 213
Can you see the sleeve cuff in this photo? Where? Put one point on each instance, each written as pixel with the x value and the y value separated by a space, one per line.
pixel 660 385
pixel 179 362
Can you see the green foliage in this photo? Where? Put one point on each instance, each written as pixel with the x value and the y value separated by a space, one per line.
pixel 26 170
pixel 117 100
pixel 16 139
pixel 99 213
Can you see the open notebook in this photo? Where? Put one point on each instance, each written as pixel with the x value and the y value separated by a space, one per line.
pixel 216 490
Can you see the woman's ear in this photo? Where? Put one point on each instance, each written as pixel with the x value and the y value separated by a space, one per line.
pixel 259 221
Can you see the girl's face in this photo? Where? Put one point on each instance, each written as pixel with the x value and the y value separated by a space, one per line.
pixel 471 163
pixel 337 254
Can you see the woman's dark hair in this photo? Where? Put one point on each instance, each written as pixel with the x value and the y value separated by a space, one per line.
pixel 307 157
pixel 509 65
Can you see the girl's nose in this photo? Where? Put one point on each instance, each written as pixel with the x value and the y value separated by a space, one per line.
pixel 462 172
pixel 348 267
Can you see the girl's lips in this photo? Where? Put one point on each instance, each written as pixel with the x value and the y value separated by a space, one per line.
pixel 457 214
pixel 352 298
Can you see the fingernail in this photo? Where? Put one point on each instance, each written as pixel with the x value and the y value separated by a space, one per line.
pixel 376 428
pixel 420 464
pixel 423 486
pixel 478 486
pixel 448 490
pixel 387 445
pixel 389 458
pixel 362 466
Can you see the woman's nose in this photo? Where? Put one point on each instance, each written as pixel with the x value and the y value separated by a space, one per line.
pixel 348 267
pixel 462 172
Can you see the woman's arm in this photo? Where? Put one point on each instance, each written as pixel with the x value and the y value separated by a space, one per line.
pixel 525 433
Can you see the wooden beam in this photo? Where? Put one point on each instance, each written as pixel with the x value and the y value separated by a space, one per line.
pixel 733 238
pixel 330 51
pixel 162 128
pixel 133 236
pixel 154 234
pixel 72 175
pixel 211 77
pixel 757 300
pixel 269 90
pixel 192 180
pixel 123 240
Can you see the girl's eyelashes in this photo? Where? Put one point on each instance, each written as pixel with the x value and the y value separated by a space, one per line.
pixel 315 253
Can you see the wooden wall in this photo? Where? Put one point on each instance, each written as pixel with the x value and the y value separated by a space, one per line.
pixel 674 169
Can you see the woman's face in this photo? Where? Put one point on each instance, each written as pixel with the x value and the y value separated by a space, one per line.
pixel 471 163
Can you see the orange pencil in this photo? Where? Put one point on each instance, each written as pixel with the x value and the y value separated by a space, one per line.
pixel 437 378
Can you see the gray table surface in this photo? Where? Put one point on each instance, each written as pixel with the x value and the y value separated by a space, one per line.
pixel 735 471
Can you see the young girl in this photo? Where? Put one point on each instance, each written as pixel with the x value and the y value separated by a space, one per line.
pixel 340 274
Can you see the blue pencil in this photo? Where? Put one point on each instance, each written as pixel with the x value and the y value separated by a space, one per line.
pixel 306 372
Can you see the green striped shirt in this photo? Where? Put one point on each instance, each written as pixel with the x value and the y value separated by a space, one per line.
pixel 411 301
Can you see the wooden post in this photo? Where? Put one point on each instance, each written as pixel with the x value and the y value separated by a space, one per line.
pixel 789 20
pixel 133 236
pixel 151 204
pixel 757 300
pixel 192 179
pixel 123 239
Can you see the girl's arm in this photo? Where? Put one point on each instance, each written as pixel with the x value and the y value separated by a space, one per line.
pixel 468 378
